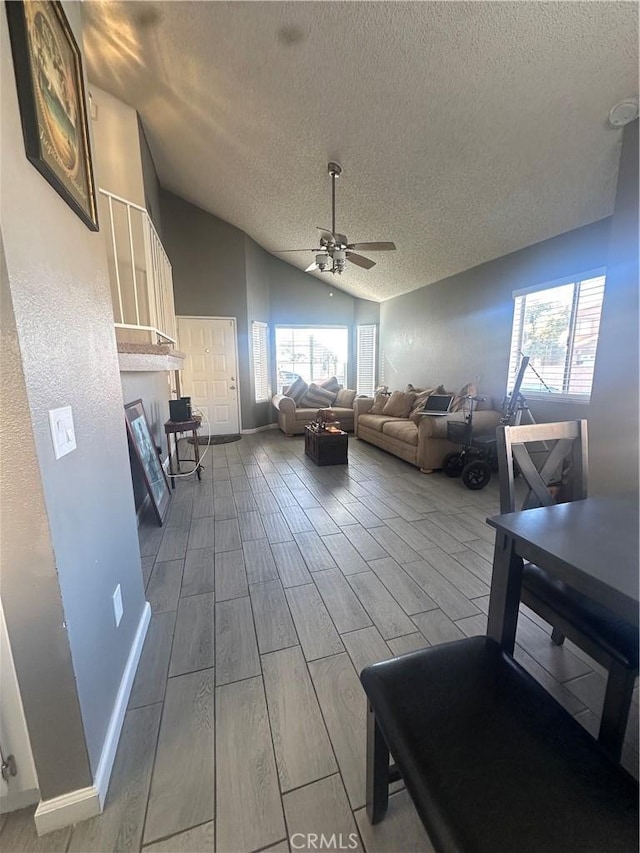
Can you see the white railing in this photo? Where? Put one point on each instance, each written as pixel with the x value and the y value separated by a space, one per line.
pixel 140 271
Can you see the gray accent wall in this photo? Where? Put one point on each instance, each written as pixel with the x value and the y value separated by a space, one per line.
pixel 31 597
pixel 460 328
pixel 218 271
pixel 58 278
pixel 613 420
pixel 150 180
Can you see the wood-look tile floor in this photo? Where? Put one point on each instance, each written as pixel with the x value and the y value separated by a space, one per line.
pixel 272 584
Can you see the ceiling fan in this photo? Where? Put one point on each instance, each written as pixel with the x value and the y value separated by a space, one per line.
pixel 335 250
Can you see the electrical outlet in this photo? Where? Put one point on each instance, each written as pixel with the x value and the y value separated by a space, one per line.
pixel 118 608
pixel 62 431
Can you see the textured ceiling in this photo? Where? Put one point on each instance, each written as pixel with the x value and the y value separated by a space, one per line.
pixel 465 130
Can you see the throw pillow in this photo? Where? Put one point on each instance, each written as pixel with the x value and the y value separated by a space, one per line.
pixel 317 397
pixel 331 385
pixel 345 398
pixel 460 399
pixel 380 401
pixel 297 390
pixel 399 404
pixel 410 389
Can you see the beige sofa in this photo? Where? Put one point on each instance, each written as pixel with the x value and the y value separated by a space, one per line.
pixel 424 445
pixel 292 420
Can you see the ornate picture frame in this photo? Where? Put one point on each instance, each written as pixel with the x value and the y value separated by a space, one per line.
pixel 48 68
pixel 144 447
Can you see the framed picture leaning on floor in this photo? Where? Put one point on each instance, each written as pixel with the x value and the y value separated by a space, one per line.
pixel 48 68
pixel 146 452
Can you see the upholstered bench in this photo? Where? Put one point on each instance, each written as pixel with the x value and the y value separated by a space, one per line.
pixel 492 762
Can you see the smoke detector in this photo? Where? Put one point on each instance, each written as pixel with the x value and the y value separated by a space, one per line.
pixel 623 113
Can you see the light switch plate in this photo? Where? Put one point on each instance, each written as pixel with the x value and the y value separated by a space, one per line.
pixel 62 431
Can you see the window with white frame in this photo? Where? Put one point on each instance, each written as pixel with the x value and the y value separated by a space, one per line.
pixel 260 349
pixel 314 353
pixel 557 326
pixel 366 359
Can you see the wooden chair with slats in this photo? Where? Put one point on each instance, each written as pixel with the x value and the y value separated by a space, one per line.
pixel 552 460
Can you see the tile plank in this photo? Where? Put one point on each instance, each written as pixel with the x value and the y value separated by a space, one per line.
pixel 120 825
pixel 341 602
pixel 365 647
pixel 318 636
pixel 249 809
pixel 230 575
pixel 198 576
pixel 200 839
pixel 227 535
pixel 151 676
pixel 314 551
pixel 201 534
pixel 164 586
pixel 411 597
pixel 445 595
pixel 386 613
pixel 182 787
pixel 258 561
pixel 437 627
pixel 251 526
pixel 343 552
pixel 193 645
pixel 364 542
pixel 344 708
pixel 321 809
pixel 303 751
pixel 291 567
pixel 236 644
pixel 274 625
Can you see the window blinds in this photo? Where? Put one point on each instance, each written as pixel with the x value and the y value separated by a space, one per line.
pixel 366 360
pixel 259 338
pixel 557 327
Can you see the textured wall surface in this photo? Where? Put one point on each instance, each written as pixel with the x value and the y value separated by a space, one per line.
pixel 613 425
pixel 460 328
pixel 30 593
pixel 117 158
pixel 59 285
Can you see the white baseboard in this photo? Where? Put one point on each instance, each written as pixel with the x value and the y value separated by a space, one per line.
pixel 15 800
pixel 258 429
pixel 88 802
pixel 62 811
pixel 105 765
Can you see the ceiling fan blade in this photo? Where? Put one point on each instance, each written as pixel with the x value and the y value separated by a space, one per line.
pixel 283 251
pixel 373 247
pixel 360 261
pixel 312 267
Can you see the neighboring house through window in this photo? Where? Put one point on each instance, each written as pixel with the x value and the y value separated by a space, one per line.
pixel 557 326
pixel 314 353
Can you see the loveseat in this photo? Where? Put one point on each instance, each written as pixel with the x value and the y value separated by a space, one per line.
pixel 418 439
pixel 299 404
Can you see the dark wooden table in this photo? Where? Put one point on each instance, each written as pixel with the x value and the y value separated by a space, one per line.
pixel 592 545
pixel 172 428
pixel 325 447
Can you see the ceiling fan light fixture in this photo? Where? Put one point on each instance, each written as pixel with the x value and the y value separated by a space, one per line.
pixel 322 262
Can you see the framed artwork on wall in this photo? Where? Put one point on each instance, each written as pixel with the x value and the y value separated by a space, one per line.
pixel 48 68
pixel 145 450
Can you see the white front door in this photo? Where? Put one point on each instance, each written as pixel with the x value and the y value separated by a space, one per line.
pixel 210 371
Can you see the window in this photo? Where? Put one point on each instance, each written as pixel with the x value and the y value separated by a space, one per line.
pixel 366 360
pixel 314 353
pixel 259 338
pixel 557 327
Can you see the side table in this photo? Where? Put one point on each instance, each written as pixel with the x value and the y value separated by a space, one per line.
pixel 326 447
pixel 172 428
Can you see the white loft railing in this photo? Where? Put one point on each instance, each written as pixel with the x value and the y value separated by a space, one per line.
pixel 140 271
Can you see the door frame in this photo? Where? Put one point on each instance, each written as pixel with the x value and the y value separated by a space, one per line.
pixel 235 336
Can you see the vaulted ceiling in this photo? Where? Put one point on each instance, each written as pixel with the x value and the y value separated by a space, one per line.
pixel 465 130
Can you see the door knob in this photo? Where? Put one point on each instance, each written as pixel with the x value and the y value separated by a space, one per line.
pixel 233 388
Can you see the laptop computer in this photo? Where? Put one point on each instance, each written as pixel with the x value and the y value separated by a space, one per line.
pixel 438 404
